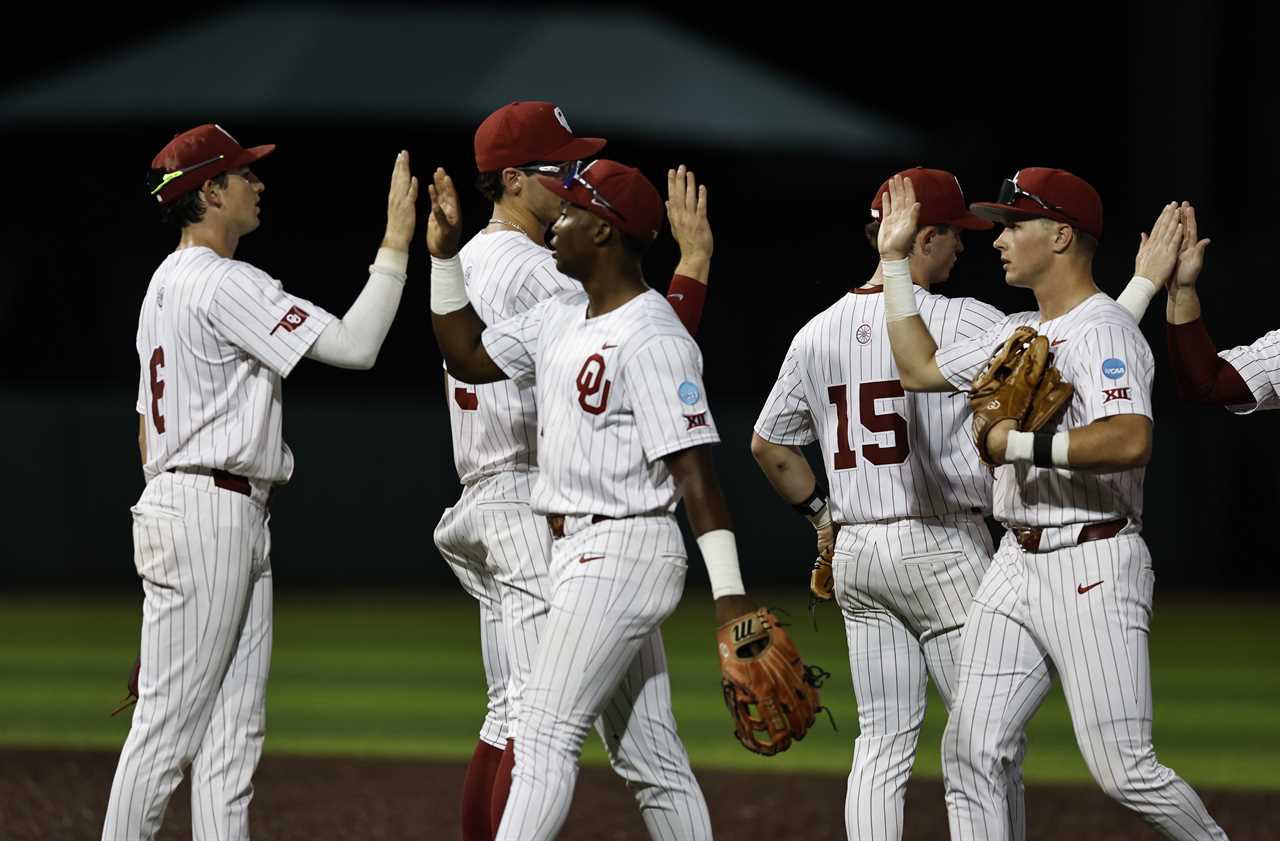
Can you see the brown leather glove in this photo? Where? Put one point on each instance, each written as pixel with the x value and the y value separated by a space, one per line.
pixel 771 695
pixel 1018 384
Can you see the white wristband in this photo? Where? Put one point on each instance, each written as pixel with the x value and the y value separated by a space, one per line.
pixel 1137 296
pixel 899 291
pixel 1060 445
pixel 393 261
pixel 448 287
pixel 1020 447
pixel 720 554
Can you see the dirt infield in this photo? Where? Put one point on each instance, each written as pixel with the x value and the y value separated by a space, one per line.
pixel 61 795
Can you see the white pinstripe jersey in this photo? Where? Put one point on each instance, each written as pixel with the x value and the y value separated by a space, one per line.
pixel 616 393
pixel 495 425
pixel 1259 367
pixel 1099 350
pixel 888 454
pixel 216 338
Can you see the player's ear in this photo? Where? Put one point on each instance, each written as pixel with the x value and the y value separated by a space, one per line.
pixel 924 239
pixel 513 181
pixel 211 193
pixel 603 231
pixel 1063 236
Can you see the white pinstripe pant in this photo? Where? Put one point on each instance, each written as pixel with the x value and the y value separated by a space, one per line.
pixel 501 553
pixel 203 554
pixel 1084 612
pixel 904 589
pixel 601 656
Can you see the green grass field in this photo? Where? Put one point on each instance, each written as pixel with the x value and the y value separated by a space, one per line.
pixel 400 675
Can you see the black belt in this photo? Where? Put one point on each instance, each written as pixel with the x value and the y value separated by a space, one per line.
pixel 556 523
pixel 221 479
pixel 1029 539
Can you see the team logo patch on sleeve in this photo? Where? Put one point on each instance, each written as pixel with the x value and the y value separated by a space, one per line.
pixel 1109 394
pixel 291 321
pixel 1113 369
pixel 695 421
pixel 689 393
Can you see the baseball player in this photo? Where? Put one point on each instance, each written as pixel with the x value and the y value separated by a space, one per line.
pixel 907 496
pixel 216 338
pixel 1069 589
pixel 498 548
pixel 624 431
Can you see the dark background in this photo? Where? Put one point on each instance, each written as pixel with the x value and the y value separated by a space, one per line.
pixel 1149 102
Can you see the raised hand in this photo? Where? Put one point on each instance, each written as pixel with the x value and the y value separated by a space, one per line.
pixel 687 213
pixel 899 217
pixel 402 201
pixel 1190 252
pixel 444 225
pixel 1158 251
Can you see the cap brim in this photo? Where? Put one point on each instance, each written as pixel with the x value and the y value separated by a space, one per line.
pixel 253 153
pixel 575 195
pixel 578 149
pixel 1003 213
pixel 969 222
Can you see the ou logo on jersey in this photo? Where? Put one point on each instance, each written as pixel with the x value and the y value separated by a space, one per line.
pixel 591 382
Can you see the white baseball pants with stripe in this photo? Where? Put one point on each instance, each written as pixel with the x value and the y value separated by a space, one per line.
pixel 904 589
pixel 601 656
pixel 203 554
pixel 1084 612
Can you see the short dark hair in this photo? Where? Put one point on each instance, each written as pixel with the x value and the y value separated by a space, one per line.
pixel 188 208
pixel 872 231
pixel 490 185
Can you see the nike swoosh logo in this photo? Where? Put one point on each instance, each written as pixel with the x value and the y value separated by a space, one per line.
pixel 606 346
pixel 585 558
pixel 1081 589
pixel 1056 342
pixel 676 296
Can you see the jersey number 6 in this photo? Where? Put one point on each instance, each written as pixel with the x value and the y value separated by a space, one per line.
pixel 868 393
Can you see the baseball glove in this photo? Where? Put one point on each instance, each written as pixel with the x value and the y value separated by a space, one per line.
pixel 771 694
pixel 132 686
pixel 1018 384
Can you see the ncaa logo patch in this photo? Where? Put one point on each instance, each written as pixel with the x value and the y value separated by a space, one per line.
pixel 1113 369
pixel 689 393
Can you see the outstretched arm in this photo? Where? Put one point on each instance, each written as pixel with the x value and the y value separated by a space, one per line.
pixel 709 518
pixel 453 320
pixel 687 214
pixel 913 347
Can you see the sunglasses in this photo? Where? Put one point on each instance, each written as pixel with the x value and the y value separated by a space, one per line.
pixel 551 170
pixel 574 176
pixel 178 173
pixel 1010 192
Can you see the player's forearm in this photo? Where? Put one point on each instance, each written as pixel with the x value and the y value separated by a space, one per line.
pixel 695 265
pixel 142 438
pixel 1183 306
pixel 687 297
pixel 785 467
pixel 1202 375
pixel 458 334
pixel 355 340
pixel 913 347
pixel 1108 445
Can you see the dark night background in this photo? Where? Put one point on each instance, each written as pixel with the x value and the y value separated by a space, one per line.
pixel 1149 102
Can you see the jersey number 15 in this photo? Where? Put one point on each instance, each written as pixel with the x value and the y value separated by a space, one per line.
pixel 846 458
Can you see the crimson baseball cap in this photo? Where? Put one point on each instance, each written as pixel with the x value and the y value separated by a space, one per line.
pixel 1040 192
pixel 195 156
pixel 524 132
pixel 618 194
pixel 941 199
